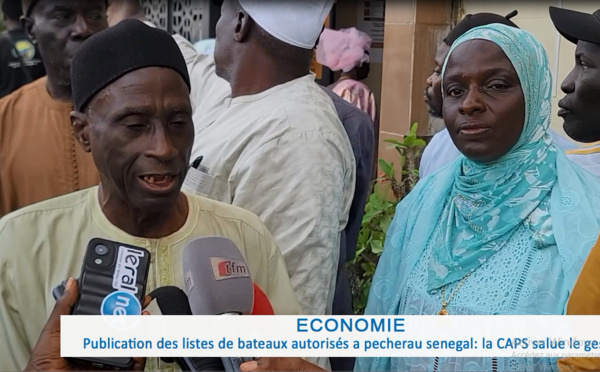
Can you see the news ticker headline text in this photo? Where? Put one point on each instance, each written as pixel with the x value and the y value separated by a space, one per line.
pixel 289 336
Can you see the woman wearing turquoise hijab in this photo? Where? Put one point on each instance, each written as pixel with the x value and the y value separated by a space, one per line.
pixel 506 227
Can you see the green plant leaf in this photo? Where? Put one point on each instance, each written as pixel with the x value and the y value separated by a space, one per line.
pixel 379 213
pixel 385 222
pixel 387 168
pixel 358 253
pixel 400 149
pixel 393 141
pixel 370 216
pixel 376 246
pixel 413 128
pixel 377 235
pixel 363 237
pixel 377 201
pixel 420 143
pixel 369 268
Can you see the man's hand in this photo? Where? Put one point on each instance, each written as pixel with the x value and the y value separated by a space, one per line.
pixel 280 364
pixel 46 353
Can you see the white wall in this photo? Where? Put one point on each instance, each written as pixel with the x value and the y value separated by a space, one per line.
pixel 533 16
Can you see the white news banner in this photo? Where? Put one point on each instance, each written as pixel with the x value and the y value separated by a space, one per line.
pixel 309 336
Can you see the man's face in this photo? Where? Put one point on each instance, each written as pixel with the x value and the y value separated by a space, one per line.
pixel 433 92
pixel 60 27
pixel 141 133
pixel 580 108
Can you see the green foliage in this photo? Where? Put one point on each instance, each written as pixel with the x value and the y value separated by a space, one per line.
pixel 391 186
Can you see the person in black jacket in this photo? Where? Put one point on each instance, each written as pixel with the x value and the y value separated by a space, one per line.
pixel 360 130
pixel 20 61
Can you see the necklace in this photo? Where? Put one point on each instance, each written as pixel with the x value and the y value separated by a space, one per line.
pixel 445 303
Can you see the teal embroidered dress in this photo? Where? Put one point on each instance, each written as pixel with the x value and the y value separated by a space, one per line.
pixel 513 234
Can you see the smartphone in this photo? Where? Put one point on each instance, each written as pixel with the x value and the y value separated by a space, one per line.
pixel 112 282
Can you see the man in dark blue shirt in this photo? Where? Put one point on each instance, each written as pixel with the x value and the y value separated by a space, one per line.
pixel 360 130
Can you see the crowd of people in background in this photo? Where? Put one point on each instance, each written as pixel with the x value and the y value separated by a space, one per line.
pixel 160 141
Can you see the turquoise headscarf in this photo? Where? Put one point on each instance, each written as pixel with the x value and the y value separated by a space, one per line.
pixel 489 201
pixel 481 205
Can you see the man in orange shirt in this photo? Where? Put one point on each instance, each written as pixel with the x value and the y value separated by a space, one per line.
pixel 39 158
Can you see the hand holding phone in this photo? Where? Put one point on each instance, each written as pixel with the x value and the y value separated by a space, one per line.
pixel 112 282
pixel 46 353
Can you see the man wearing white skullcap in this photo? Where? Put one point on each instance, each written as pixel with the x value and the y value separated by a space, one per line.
pixel 296 22
pixel 270 138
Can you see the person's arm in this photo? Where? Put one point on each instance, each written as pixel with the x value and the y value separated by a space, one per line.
pixel 372 111
pixel 279 288
pixel 5 122
pixel 2 207
pixel 585 300
pixel 301 186
pixel 208 90
pixel 363 146
pixel 187 49
pixel 14 351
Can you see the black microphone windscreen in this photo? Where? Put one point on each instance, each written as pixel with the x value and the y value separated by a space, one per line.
pixel 171 300
pixel 174 301
pixel 217 278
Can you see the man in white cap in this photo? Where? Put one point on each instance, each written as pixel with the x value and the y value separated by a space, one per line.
pixel 268 138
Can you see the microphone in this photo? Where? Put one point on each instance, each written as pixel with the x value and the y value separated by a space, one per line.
pixel 218 281
pixel 261 304
pixel 173 301
pixel 217 278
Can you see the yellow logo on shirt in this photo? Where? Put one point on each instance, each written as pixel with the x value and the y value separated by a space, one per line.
pixel 26 50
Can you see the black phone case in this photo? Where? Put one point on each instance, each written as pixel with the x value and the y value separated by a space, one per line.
pixel 96 282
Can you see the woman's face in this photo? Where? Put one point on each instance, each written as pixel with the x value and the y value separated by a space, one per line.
pixel 483 106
